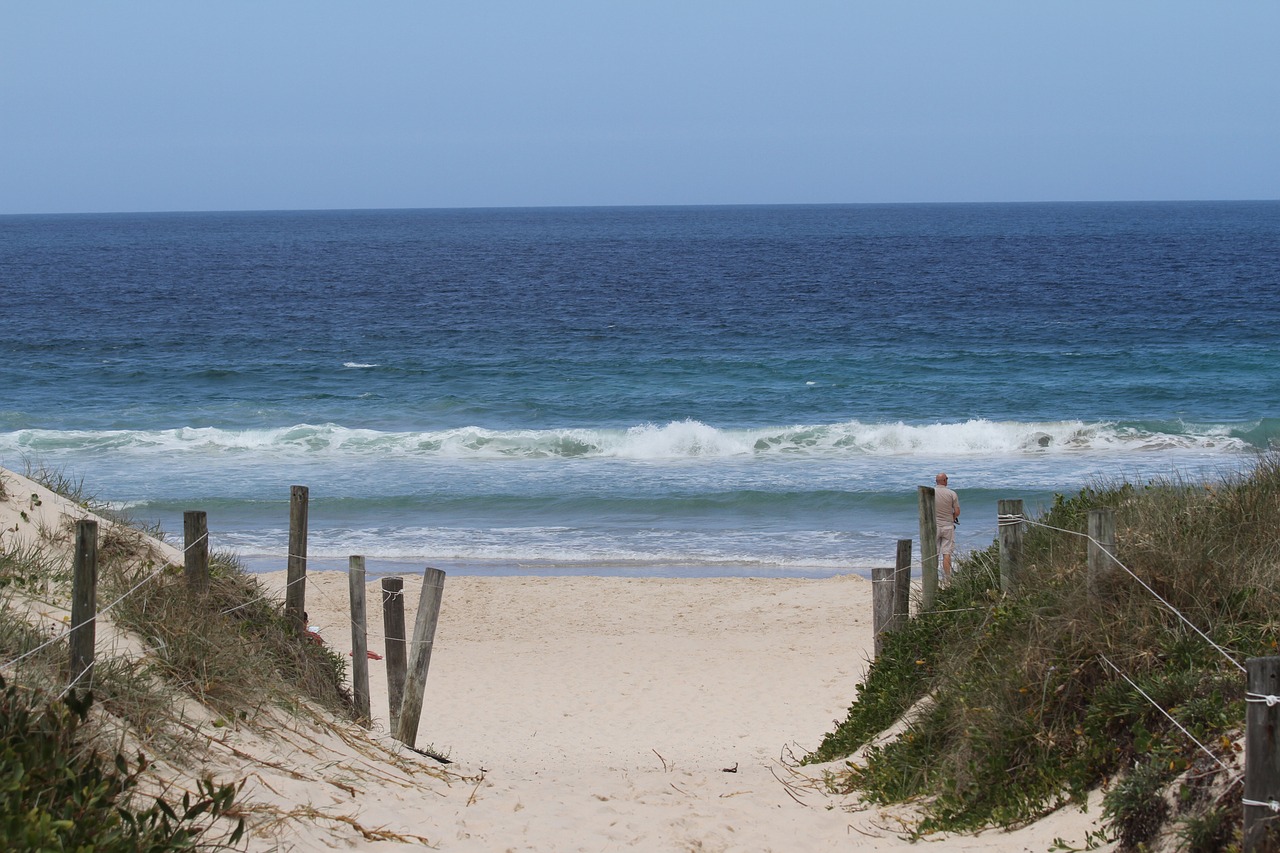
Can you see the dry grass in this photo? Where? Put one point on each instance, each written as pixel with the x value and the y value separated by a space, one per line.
pixel 231 648
pixel 199 662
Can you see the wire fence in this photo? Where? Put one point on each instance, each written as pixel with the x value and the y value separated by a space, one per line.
pixel 101 612
pixel 1006 520
pixel 1234 778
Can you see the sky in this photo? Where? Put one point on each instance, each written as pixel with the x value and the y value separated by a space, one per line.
pixel 235 105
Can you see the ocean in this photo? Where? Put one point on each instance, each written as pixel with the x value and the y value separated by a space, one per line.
pixel 685 391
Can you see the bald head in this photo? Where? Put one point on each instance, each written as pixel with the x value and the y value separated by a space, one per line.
pixel 941 479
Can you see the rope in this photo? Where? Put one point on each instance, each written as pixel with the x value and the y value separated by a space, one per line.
pixel 1154 704
pixel 262 597
pixel 1262 698
pixel 339 606
pixel 74 682
pixel 330 600
pixel 1269 804
pixel 1004 519
pixel 104 610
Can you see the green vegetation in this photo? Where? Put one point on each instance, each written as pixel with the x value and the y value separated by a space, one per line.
pixel 231 650
pixel 1024 709
pixel 58 794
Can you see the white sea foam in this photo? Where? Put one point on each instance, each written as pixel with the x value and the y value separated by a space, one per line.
pixel 672 441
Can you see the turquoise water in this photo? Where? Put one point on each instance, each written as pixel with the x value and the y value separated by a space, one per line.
pixel 675 391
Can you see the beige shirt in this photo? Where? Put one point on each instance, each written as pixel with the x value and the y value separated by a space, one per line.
pixel 946 504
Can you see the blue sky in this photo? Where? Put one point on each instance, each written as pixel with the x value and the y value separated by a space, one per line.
pixel 132 106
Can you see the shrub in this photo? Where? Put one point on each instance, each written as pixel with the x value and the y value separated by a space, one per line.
pixel 56 794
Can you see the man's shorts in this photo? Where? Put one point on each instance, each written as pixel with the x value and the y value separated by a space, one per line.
pixel 946 539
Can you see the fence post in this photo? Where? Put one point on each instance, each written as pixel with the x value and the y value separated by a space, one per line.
pixel 1262 754
pixel 928 548
pixel 902 585
pixel 359 639
pixel 882 583
pixel 84 600
pixel 1011 524
pixel 393 633
pixel 195 552
pixel 1102 547
pixel 424 634
pixel 295 595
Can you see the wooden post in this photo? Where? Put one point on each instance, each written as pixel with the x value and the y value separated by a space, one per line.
pixel 359 640
pixel 195 535
pixel 295 595
pixel 1102 547
pixel 1010 524
pixel 84 602
pixel 393 633
pixel 424 634
pixel 902 586
pixel 928 548
pixel 882 578
pixel 1262 755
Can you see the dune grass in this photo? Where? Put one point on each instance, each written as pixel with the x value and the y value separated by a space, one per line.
pixel 1033 698
pixel 230 650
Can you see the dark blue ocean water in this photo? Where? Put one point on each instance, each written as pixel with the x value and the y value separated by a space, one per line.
pixel 736 390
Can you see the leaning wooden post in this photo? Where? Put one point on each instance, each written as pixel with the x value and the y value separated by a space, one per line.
pixel 882 583
pixel 195 551
pixel 424 634
pixel 1262 755
pixel 1102 547
pixel 295 596
pixel 902 586
pixel 393 634
pixel 928 548
pixel 84 601
pixel 1011 523
pixel 359 640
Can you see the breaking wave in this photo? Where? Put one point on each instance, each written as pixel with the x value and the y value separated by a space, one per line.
pixel 671 441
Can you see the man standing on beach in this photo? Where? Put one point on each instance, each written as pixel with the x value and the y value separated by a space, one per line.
pixel 946 512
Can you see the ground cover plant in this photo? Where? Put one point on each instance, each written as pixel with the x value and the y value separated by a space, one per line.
pixel 1037 697
pixel 59 793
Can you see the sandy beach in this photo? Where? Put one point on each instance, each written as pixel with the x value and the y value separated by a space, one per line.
pixel 579 714
pixel 648 714
pixel 607 713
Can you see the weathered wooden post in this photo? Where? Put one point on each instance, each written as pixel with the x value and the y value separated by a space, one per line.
pixel 393 635
pixel 359 639
pixel 882 583
pixel 84 601
pixel 424 634
pixel 195 551
pixel 902 585
pixel 1262 755
pixel 1102 547
pixel 295 595
pixel 1011 523
pixel 928 548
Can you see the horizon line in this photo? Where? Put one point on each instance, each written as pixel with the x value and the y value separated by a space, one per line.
pixel 649 206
